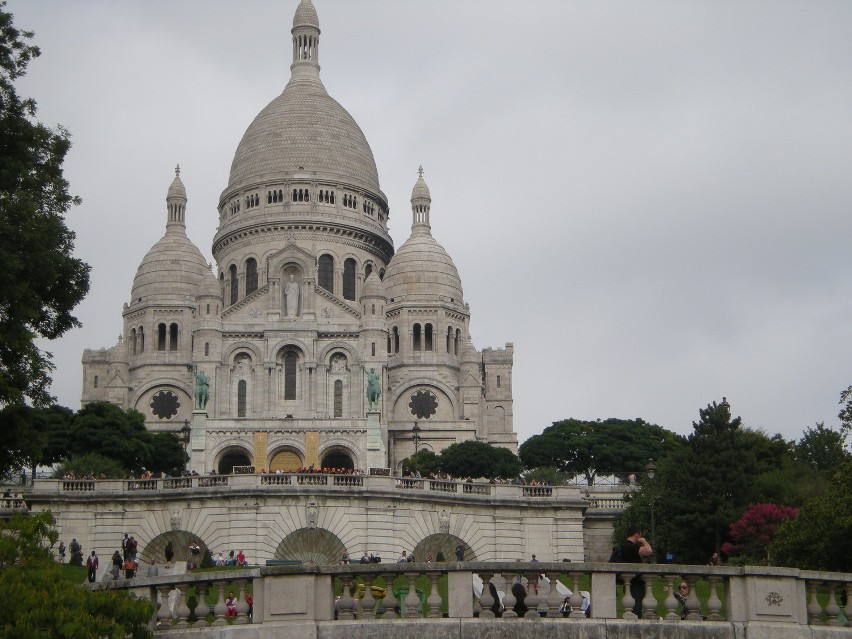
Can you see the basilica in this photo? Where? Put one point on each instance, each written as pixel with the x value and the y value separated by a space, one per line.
pixel 313 341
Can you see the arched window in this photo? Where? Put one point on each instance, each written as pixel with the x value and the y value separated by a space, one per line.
pixel 498 381
pixel 349 279
pixel 338 398
pixel 206 349
pixel 290 360
pixel 427 341
pixel 133 341
pixel 389 344
pixel 235 286
pixel 449 339
pixel 251 275
pixel 242 387
pixel 173 337
pixel 395 339
pixel 141 339
pixel 416 341
pixel 96 381
pixel 373 349
pixel 326 272
pixel 161 337
pixel 368 268
pixel 457 340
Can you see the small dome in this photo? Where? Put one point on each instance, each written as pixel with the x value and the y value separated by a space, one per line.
pixel 173 270
pixel 306 15
pixel 421 189
pixel 176 188
pixel 373 286
pixel 210 285
pixel 422 271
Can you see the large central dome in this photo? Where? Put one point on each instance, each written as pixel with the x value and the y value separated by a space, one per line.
pixel 304 131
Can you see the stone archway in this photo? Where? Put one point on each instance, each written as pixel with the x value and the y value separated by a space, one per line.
pixel 231 457
pixel 311 546
pixel 286 460
pixel 155 550
pixel 337 458
pixel 442 543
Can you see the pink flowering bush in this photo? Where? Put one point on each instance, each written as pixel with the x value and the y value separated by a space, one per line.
pixel 753 532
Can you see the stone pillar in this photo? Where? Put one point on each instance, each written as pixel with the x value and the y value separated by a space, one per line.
pixel 377 454
pixel 197 441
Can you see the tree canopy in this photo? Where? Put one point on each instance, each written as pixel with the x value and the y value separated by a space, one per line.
pixel 43 602
pixel 591 448
pixel 822 448
pixel 40 281
pixel 478 459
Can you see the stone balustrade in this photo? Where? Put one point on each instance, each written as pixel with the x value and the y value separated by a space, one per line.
pixel 294 600
pixel 596 497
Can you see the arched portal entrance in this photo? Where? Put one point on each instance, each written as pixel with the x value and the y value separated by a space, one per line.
pixel 442 543
pixel 337 458
pixel 232 457
pixel 155 550
pixel 311 546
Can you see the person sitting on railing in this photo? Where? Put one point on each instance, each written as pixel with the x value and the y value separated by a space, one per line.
pixel 231 605
pixel 220 559
pixel 241 559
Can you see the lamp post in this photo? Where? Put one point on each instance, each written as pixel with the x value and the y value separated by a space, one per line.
pixel 415 436
pixel 650 471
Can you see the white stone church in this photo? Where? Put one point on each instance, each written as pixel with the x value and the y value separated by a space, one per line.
pixel 267 356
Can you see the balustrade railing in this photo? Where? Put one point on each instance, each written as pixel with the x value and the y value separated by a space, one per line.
pixel 504 591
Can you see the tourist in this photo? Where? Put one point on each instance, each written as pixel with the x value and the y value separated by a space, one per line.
pixel 170 554
pixel 460 552
pixel 403 558
pixel 231 560
pixel 241 559
pixel 115 570
pixel 366 558
pixel 715 560
pixel 220 559
pixel 633 550
pixel 250 602
pixel 92 564
pixel 61 551
pixel 231 605
pixel 681 594
pixel 129 568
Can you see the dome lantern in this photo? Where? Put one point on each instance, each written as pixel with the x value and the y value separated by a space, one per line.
pixel 176 203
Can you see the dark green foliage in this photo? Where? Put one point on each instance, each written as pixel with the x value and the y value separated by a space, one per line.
pixel 92 465
pixel 45 603
pixel 819 537
pixel 704 486
pixel 40 281
pixel 478 459
pixel 22 445
pixel 425 462
pixel 822 448
pixel 595 448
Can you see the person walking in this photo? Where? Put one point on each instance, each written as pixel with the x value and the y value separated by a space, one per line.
pixel 633 550
pixel 170 554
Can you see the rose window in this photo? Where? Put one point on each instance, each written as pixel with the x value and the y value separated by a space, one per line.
pixel 423 404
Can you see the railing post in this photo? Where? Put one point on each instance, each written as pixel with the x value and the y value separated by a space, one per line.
pixel 671 600
pixel 554 601
pixel 533 597
pixel 486 600
pixel 692 603
pixel 164 613
pixel 649 603
pixel 831 607
pixel 434 599
pixel 181 609
pixel 814 609
pixel 411 599
pixel 242 606
pixel 509 599
pixel 367 604
pixel 576 597
pixel 389 600
pixel 201 607
pixel 220 610
pixel 627 600
pixel 346 603
pixel 714 604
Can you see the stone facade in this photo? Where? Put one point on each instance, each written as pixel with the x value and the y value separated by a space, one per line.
pixel 308 296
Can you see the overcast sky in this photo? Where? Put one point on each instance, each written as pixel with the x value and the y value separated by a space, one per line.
pixel 652 201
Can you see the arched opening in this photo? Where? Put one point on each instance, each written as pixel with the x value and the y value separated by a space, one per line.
pixel 337 458
pixel 230 458
pixel 427 339
pixel 416 340
pixel 290 361
pixel 242 387
pixel 155 550
pixel 442 544
pixel 173 337
pixel 234 284
pixel 161 337
pixel 311 546
pixel 251 275
pixel 325 272
pixel 141 339
pixel 133 341
pixel 338 398
pixel 349 279
pixel 287 461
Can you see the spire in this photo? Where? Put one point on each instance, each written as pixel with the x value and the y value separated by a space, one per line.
pixel 306 34
pixel 176 203
pixel 420 203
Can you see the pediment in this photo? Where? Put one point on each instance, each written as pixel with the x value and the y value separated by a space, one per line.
pixel 291 253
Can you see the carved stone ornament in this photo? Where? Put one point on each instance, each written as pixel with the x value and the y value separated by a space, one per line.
pixel 444 522
pixel 326 312
pixel 254 312
pixel 177 519
pixel 774 598
pixel 312 509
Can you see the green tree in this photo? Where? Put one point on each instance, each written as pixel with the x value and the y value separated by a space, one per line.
pixel 22 446
pixel 478 459
pixel 596 448
pixel 94 465
pixel 822 448
pixel 425 462
pixel 40 281
pixel 45 603
pixel 120 435
pixel 703 486
pixel 818 538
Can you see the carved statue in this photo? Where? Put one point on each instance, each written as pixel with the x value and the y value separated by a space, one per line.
pixel 202 389
pixel 374 388
pixel 291 297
